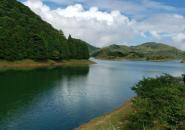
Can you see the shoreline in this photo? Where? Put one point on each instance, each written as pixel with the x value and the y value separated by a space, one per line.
pixel 133 59
pixel 111 120
pixel 35 64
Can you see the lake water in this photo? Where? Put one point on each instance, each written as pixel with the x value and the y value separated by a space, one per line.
pixel 64 98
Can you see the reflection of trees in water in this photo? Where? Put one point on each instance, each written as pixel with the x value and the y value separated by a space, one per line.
pixel 18 88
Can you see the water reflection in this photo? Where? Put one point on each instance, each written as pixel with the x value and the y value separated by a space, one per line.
pixel 20 89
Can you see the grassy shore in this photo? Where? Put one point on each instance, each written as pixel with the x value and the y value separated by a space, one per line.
pixel 115 120
pixel 49 63
pixel 110 121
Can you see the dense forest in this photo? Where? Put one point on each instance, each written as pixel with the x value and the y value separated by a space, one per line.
pixel 24 35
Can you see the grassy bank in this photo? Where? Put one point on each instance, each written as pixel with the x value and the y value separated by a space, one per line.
pixel 48 63
pixel 116 120
pixel 159 105
pixel 110 121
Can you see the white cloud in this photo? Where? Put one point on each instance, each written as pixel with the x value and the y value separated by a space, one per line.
pixel 179 37
pixel 179 40
pixel 155 34
pixel 92 25
pixel 101 28
pixel 164 23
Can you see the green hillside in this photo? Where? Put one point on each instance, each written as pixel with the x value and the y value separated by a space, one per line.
pixel 90 47
pixel 24 35
pixel 147 51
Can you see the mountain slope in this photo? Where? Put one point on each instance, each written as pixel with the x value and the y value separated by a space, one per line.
pixel 91 48
pixel 24 35
pixel 148 51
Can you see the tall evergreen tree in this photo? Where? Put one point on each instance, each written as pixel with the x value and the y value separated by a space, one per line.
pixel 37 50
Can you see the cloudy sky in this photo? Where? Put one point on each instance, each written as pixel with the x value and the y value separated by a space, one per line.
pixel 105 22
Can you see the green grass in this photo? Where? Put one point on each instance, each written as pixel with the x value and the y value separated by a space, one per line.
pixel 26 64
pixel 110 121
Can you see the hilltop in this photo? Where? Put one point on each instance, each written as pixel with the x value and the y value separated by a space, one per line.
pixel 146 51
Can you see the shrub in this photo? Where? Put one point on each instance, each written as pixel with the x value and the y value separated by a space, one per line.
pixel 160 101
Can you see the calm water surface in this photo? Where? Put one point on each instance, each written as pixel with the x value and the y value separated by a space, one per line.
pixel 64 98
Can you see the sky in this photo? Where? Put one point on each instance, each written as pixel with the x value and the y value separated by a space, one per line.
pixel 124 22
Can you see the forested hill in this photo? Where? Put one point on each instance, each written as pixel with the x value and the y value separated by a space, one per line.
pixel 90 47
pixel 148 51
pixel 24 35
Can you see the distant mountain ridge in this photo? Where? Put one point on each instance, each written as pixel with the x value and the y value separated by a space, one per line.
pixel 147 51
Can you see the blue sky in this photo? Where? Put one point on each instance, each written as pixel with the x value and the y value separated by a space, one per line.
pixel 178 4
pixel 175 3
pixel 105 22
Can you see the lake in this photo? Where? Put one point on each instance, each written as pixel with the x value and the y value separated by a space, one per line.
pixel 64 98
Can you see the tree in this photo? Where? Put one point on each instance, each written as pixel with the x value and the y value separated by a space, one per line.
pixel 37 49
pixel 61 33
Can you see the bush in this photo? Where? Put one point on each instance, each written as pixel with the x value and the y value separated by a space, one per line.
pixel 160 101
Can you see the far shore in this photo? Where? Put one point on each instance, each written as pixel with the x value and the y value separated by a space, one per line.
pixel 38 64
pixel 135 59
